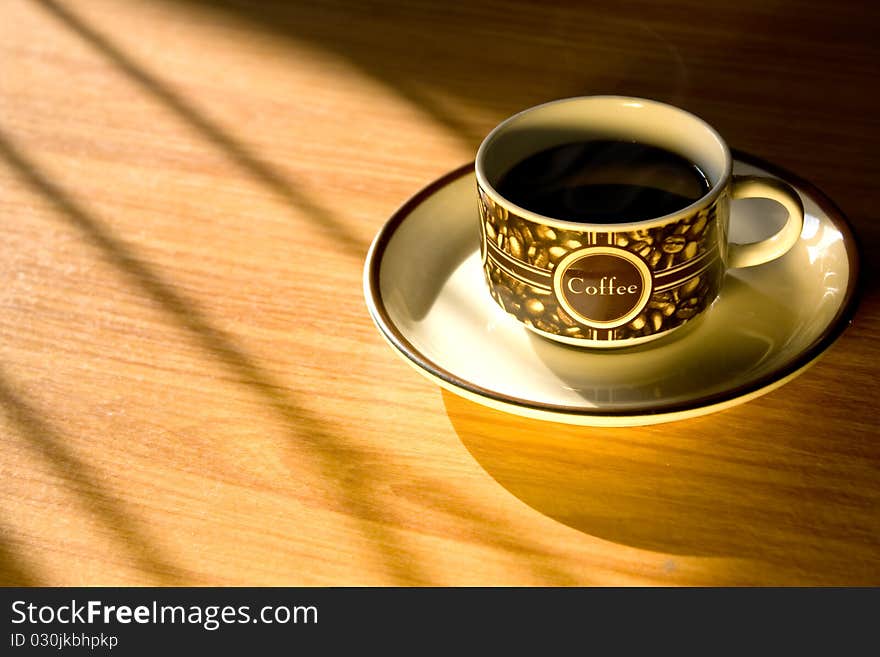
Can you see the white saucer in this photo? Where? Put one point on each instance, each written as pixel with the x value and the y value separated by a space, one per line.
pixel 425 290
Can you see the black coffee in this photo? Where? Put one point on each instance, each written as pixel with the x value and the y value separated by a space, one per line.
pixel 603 181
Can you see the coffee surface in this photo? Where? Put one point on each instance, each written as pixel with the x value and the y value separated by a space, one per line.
pixel 603 181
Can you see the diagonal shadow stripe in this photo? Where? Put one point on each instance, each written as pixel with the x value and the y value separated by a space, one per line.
pixel 82 478
pixel 370 56
pixel 14 570
pixel 536 559
pixel 264 172
pixel 353 488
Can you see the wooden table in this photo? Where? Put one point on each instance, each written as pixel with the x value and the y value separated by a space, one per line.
pixel 192 390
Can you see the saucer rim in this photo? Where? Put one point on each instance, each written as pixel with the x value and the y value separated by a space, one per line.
pixel 577 414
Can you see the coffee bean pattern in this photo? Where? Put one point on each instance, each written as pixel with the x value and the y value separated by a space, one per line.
pixel 680 291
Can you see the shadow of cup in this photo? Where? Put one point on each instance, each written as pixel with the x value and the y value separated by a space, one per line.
pixel 610 483
pixel 709 486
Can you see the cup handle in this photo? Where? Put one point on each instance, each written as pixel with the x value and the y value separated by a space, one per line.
pixel 757 253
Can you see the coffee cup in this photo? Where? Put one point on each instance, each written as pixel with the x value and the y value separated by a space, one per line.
pixel 604 220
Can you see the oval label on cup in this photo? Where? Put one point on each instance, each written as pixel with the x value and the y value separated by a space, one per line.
pixel 602 286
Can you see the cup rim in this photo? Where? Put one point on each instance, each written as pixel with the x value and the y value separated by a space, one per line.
pixel 705 200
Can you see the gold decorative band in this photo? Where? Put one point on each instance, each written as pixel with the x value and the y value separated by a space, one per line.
pixel 664 279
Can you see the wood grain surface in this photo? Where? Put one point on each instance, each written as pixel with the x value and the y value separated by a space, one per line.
pixel 191 389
